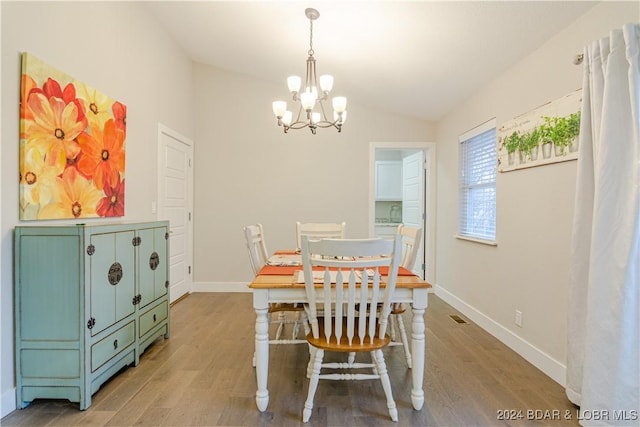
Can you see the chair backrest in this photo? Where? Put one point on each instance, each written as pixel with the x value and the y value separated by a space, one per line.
pixel 319 230
pixel 343 266
pixel 257 246
pixel 411 238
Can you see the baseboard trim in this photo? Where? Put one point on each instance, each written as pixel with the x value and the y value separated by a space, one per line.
pixel 541 360
pixel 8 402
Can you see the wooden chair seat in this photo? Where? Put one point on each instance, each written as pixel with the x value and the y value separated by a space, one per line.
pixel 398 308
pixel 343 346
pixel 285 306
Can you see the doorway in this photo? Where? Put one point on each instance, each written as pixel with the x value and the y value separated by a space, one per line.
pixel 175 203
pixel 421 204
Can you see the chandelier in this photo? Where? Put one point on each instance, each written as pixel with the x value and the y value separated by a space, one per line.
pixel 310 98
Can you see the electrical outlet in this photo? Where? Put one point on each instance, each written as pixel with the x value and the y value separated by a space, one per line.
pixel 519 318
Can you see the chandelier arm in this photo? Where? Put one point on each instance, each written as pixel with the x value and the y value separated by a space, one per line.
pixel 327 124
pixel 321 124
pixel 300 110
pixel 299 125
pixel 324 114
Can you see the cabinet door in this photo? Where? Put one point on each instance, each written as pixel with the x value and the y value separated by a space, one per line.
pixel 388 180
pixel 112 278
pixel 152 264
pixel 47 290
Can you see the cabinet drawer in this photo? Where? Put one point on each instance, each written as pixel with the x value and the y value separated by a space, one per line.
pixel 112 345
pixel 153 317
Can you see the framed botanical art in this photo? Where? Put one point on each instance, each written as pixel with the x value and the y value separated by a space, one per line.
pixel 72 147
pixel 547 134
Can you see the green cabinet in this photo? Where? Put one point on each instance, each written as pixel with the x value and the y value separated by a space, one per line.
pixel 89 299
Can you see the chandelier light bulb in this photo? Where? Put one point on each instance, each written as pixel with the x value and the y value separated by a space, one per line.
pixel 339 104
pixel 315 118
pixel 279 107
pixel 326 83
pixel 339 117
pixel 308 100
pixel 286 118
pixel 294 83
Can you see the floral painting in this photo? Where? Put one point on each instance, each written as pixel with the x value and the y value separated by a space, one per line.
pixel 72 147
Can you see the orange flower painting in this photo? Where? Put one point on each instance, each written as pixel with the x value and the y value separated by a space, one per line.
pixel 72 147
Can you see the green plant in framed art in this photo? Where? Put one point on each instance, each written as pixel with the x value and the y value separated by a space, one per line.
pixel 72 147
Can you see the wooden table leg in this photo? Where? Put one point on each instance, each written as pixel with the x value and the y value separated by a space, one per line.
pixel 260 304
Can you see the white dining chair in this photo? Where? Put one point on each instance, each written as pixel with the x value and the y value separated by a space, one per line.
pixel 257 246
pixel 319 230
pixel 258 257
pixel 349 284
pixel 410 240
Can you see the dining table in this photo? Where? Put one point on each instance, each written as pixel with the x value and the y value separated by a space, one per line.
pixel 278 282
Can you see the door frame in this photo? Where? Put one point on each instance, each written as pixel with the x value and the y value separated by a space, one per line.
pixel 429 237
pixel 162 129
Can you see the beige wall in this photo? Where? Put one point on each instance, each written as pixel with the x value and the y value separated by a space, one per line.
pixel 528 270
pixel 113 47
pixel 247 171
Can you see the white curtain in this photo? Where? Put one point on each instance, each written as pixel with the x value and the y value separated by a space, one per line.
pixel 603 361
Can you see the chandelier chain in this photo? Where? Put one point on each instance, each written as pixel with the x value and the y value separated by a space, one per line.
pixel 310 38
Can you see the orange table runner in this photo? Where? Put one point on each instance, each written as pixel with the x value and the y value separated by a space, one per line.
pixel 278 270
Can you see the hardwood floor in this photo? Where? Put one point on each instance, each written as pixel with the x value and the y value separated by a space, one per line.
pixel 202 376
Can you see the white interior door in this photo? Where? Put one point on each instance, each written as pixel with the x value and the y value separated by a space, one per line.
pixel 413 201
pixel 175 203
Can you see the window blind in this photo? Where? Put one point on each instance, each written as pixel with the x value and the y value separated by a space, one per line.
pixel 477 183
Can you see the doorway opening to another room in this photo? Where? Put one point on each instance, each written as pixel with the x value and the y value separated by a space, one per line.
pixel 402 190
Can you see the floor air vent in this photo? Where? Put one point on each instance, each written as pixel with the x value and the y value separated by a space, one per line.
pixel 457 318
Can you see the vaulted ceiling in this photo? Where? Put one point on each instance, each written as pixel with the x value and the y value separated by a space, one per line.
pixel 416 58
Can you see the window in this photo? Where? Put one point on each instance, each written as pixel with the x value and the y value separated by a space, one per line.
pixel 477 183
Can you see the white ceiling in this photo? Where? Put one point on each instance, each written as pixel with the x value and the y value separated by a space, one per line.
pixel 417 58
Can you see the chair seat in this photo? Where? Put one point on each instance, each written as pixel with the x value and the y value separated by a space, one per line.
pixel 398 308
pixel 343 345
pixel 285 306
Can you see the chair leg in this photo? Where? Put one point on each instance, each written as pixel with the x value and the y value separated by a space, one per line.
pixel 313 385
pixel 312 358
pixel 392 327
pixel 305 323
pixel 386 384
pixel 302 319
pixel 352 357
pixel 281 320
pixel 405 341
pixel 296 327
